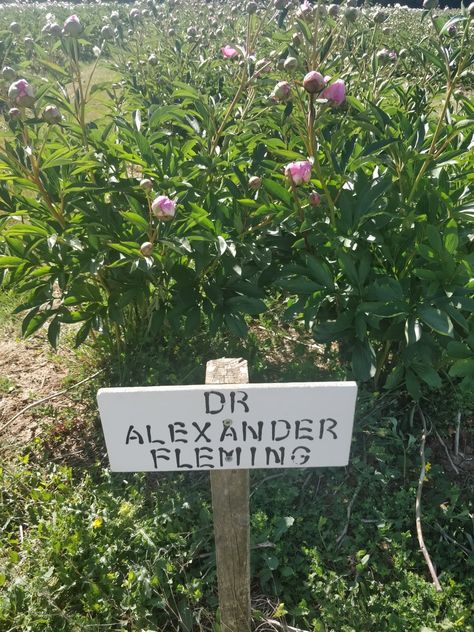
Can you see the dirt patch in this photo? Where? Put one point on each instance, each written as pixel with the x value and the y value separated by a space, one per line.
pixel 28 373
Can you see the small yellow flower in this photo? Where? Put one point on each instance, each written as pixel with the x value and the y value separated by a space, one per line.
pixel 97 523
pixel 427 469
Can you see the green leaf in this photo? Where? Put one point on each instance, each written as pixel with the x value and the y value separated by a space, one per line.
pixel 299 285
pixel 236 324
pixel 451 240
pixel 7 261
pixel 83 333
pixel 462 368
pixel 277 191
pixel 53 332
pixel 427 373
pixel 413 385
pixel 363 361
pixel 30 326
pixel 458 350
pixel 246 305
pixel 436 319
pixel 137 220
pixel 395 377
pixel 320 271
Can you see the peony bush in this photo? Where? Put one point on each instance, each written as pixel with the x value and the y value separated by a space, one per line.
pixel 304 156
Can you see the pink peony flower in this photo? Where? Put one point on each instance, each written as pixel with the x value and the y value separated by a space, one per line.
pixel 228 51
pixel 314 82
pixel 335 93
pixel 21 93
pixel 298 172
pixel 163 208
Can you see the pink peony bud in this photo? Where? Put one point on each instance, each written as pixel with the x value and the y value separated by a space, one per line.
pixel 298 172
pixel 314 198
pixel 107 32
pixel 51 114
pixel 54 30
pixel 290 63
pixel 146 248
pixel 255 182
pixel 14 114
pixel 228 51
pixel 72 26
pixel 21 93
pixel 335 93
pixel 313 82
pixel 163 208
pixel 281 91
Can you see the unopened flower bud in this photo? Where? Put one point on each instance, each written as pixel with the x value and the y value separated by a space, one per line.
pixel 470 9
pixel 21 93
pixel 146 248
pixel 383 55
pixel 403 54
pixel 72 26
pixel 55 30
pixel 51 114
pixel 296 40
pixel 146 184
pixel 251 8
pixel 279 4
pixel 255 182
pixel 314 82
pixel 430 4
pixel 290 63
pixel 15 28
pixel 333 10
pixel 191 32
pixel 14 114
pixel 305 11
pixel 115 17
pixel 8 73
pixel 107 32
pixel 351 14
pixel 380 17
pixel 153 60
pixel 134 14
pixel 281 91
pixel 314 198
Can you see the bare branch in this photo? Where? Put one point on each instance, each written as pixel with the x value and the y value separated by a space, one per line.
pixel 419 530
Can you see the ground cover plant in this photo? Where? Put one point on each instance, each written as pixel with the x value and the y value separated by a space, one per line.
pixel 240 180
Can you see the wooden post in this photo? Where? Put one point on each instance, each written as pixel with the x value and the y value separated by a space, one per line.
pixel 230 506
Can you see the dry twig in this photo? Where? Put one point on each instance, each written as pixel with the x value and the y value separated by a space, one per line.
pixel 419 530
pixel 349 510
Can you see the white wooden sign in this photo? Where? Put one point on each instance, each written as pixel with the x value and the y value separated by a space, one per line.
pixel 215 427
